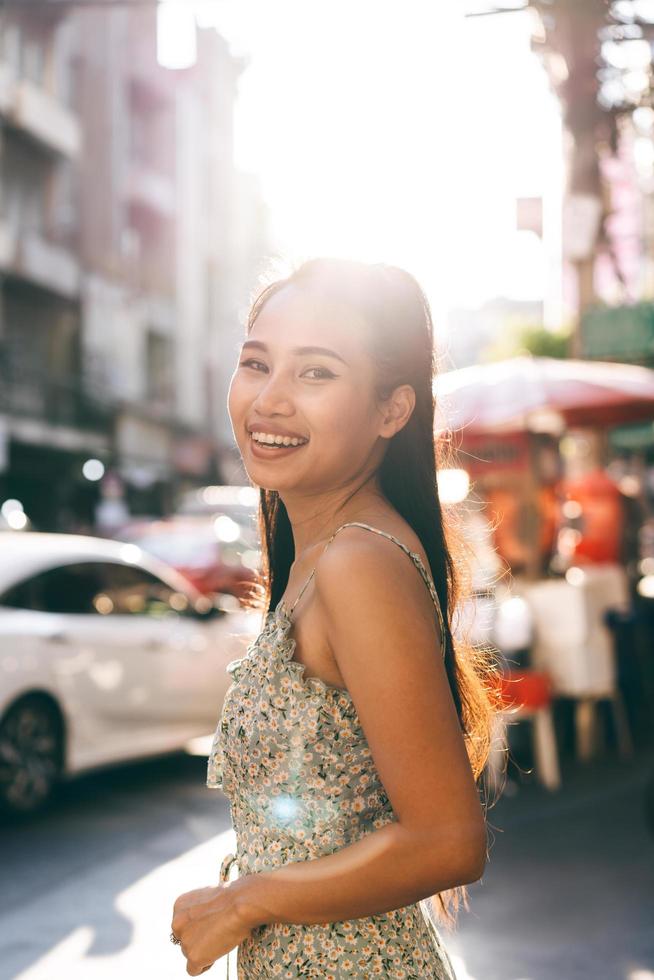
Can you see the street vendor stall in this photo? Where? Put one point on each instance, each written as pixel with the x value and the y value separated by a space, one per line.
pixel 531 432
pixel 507 420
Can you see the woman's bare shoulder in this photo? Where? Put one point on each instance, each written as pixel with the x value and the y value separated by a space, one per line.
pixel 361 569
pixel 368 540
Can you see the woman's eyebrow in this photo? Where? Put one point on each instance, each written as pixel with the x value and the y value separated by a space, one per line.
pixel 259 345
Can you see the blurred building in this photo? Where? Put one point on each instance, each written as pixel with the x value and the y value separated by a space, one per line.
pixel 123 261
pixel 619 324
pixel 473 333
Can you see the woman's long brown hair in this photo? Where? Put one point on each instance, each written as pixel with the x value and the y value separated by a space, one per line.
pixel 402 346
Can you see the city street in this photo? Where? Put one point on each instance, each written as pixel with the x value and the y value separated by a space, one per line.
pixel 273 270
pixel 88 889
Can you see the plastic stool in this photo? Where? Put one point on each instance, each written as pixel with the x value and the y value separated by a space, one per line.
pixel 527 695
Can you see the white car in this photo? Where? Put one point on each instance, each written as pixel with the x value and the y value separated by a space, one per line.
pixel 106 654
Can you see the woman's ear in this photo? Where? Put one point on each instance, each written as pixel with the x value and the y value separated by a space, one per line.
pixel 396 410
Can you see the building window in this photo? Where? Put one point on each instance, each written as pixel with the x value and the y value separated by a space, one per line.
pixel 159 375
pixel 33 61
pixel 10 45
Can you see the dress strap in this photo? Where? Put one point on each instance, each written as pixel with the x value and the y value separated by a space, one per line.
pixel 313 572
pixel 415 557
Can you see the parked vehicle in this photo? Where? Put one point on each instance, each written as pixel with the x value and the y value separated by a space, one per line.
pixel 106 654
pixel 239 503
pixel 215 553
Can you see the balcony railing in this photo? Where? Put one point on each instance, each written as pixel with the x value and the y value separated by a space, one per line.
pixel 31 393
pixel 29 255
pixel 147 188
pixel 36 112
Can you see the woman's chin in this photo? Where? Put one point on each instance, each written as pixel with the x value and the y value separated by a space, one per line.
pixel 269 477
pixel 262 459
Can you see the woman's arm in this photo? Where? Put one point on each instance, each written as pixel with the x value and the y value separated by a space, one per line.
pixel 382 628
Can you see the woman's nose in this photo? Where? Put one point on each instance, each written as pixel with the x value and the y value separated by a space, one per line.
pixel 273 396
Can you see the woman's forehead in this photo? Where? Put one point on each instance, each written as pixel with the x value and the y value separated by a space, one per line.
pixel 292 316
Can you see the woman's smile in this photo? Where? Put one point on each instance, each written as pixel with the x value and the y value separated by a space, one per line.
pixel 267 446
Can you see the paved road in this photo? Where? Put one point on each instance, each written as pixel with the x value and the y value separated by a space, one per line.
pixel 87 890
pixel 568 893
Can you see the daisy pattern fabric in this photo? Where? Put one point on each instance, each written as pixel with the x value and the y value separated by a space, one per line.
pixel 290 754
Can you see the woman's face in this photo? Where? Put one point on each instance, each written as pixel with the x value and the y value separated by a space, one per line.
pixel 304 373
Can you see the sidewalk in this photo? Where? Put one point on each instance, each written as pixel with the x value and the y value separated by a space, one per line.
pixel 113 921
pixel 568 893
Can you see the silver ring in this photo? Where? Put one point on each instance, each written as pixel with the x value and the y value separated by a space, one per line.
pixel 175 939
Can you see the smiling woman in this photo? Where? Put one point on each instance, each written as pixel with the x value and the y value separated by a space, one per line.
pixel 354 733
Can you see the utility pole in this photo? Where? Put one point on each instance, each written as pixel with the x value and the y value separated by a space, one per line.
pixel 571 51
pixel 594 93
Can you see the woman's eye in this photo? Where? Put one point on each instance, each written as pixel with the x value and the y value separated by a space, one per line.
pixel 322 373
pixel 253 363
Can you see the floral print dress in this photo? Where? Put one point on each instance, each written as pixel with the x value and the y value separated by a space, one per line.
pixel 290 754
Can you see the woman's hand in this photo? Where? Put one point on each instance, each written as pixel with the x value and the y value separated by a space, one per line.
pixel 208 923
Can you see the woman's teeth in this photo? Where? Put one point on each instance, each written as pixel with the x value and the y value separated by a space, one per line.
pixel 267 439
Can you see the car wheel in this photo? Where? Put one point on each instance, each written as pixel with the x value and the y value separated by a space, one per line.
pixel 31 755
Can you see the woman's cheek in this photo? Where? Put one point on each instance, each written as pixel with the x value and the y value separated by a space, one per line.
pixel 236 407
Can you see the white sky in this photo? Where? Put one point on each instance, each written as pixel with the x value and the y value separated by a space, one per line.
pixel 396 130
